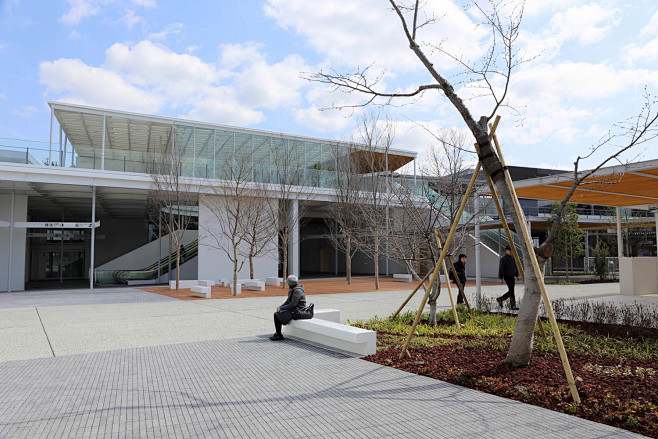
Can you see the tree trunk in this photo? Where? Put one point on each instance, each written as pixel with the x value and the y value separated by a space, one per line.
pixel 235 270
pixel 285 262
pixel 434 295
pixel 520 349
pixel 251 266
pixel 376 260
pixel 177 267
pixel 348 260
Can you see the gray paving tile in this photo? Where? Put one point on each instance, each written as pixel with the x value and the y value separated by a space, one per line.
pixel 250 388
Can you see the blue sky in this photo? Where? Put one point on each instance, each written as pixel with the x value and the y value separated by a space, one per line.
pixel 239 63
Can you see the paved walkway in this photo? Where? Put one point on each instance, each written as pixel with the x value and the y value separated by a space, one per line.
pixel 127 363
pixel 253 388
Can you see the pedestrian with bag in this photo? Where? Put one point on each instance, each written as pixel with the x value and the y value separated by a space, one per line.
pixel 294 308
pixel 507 271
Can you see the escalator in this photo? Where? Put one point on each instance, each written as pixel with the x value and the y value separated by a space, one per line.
pixel 490 238
pixel 149 273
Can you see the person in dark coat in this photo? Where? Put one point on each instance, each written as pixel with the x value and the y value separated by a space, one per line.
pixel 507 271
pixel 460 268
pixel 286 312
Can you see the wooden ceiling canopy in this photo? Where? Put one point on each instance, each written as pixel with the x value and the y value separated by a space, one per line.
pixel 365 162
pixel 635 184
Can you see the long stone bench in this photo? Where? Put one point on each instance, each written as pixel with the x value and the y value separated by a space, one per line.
pixel 276 281
pixel 402 277
pixel 255 285
pixel 324 329
pixel 201 291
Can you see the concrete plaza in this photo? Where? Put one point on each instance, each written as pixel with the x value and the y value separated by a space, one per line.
pixel 127 363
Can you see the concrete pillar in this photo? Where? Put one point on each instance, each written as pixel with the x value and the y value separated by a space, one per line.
pixel 620 240
pixel 478 267
pixel 13 208
pixel 293 245
pixel 93 234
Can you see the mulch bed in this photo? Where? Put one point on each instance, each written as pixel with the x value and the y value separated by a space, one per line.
pixel 620 393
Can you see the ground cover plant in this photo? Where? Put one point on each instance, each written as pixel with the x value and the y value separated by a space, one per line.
pixel 616 367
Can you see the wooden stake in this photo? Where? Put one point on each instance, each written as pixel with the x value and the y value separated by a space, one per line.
pixel 444 251
pixel 457 281
pixel 412 294
pixel 525 233
pixel 443 263
pixel 503 220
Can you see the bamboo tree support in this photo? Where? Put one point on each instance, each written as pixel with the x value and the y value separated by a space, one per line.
pixel 445 270
pixel 525 233
pixel 444 251
pixel 420 284
pixel 503 220
pixel 457 281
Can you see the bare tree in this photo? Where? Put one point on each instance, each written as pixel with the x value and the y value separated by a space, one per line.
pixel 375 135
pixel 233 203
pixel 344 224
pixel 420 208
pixel 490 75
pixel 257 224
pixel 172 197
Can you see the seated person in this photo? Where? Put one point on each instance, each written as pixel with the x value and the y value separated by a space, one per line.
pixel 286 312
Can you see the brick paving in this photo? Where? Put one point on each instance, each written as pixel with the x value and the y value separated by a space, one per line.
pixel 253 388
pixel 311 287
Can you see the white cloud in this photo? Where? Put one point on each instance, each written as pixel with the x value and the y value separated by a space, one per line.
pixel 148 77
pixel 26 111
pixel 652 27
pixel 192 48
pixel 79 83
pixel 642 54
pixel 234 55
pixel 172 29
pixel 586 24
pixel 3 97
pixel 80 10
pixel 352 33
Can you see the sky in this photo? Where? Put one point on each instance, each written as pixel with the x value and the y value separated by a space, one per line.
pixel 243 63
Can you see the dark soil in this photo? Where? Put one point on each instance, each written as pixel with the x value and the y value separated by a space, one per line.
pixel 613 331
pixel 622 394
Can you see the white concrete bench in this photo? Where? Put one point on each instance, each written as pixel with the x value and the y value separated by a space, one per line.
pixel 225 282
pixel 273 281
pixel 332 334
pixel 183 284
pixel 206 283
pixel 201 291
pixel 402 277
pixel 255 285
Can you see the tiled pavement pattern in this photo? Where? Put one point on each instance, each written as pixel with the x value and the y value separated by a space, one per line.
pixel 85 296
pixel 254 388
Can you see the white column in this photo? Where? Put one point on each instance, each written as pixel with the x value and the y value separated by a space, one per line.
pixel 11 239
pixel 655 215
pixel 50 144
pixel 387 232
pixel 60 145
pixel 414 171
pixel 478 267
pixel 293 245
pixel 620 241
pixel 102 148
pixel 93 234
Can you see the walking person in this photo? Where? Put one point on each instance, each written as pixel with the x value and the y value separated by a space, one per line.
pixel 507 271
pixel 295 302
pixel 460 268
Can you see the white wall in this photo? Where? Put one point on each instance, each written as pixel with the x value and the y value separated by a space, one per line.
pixel 638 276
pixel 489 260
pixel 19 243
pixel 213 263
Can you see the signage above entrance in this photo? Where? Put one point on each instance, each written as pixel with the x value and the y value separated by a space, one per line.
pixel 49 225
